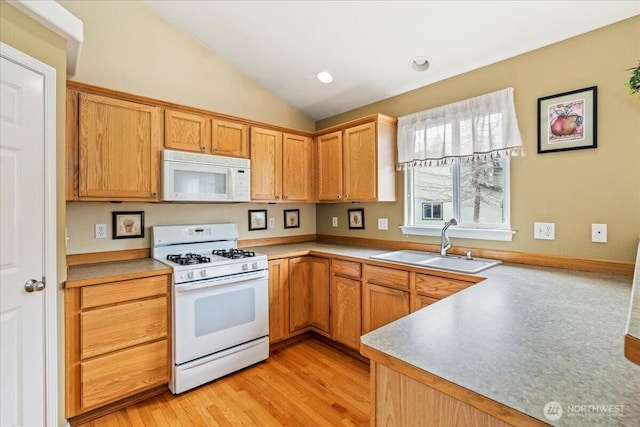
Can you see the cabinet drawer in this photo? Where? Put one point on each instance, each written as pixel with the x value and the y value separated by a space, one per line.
pixel 346 268
pixel 438 287
pixel 112 377
pixel 120 326
pixel 387 277
pixel 115 292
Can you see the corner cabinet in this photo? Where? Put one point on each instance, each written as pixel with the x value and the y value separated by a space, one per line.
pixel 356 161
pixel 113 147
pixel 117 341
pixel 281 166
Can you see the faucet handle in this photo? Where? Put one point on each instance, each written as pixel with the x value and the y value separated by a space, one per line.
pixel 469 255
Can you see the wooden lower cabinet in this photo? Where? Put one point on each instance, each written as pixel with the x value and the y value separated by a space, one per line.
pixel 278 300
pixel 382 305
pixel 117 341
pixel 309 294
pixel 346 322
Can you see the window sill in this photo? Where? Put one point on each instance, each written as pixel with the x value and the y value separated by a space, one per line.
pixel 464 233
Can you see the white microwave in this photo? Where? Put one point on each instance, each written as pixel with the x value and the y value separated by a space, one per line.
pixel 192 177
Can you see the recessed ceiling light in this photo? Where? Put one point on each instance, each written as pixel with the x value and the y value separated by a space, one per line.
pixel 419 63
pixel 324 77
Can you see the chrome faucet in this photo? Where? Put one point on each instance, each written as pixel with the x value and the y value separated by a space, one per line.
pixel 445 243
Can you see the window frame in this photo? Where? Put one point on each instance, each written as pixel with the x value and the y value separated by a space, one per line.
pixel 464 230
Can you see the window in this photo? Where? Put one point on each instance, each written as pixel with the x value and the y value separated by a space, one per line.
pixel 456 164
pixel 475 193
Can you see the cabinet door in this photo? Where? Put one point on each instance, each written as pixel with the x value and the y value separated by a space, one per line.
pixel 186 131
pixel 345 311
pixel 278 300
pixel 319 293
pixel 360 163
pixel 119 147
pixel 297 168
pixel 422 301
pixel 299 293
pixel 230 138
pixel 382 305
pixel 330 166
pixel 266 164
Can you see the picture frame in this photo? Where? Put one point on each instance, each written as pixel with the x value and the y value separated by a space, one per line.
pixel 568 121
pixel 257 219
pixel 127 225
pixel 292 218
pixel 356 219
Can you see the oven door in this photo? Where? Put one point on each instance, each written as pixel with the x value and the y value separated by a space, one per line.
pixel 211 316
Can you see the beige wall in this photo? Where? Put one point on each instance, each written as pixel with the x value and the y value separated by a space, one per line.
pixel 573 188
pixel 128 47
pixel 28 36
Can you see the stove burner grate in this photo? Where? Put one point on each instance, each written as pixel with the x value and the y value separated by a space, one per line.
pixel 188 259
pixel 233 253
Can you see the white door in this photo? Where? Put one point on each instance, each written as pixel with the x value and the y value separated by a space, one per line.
pixel 25 229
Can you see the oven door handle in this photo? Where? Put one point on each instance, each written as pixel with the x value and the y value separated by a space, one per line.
pixel 223 281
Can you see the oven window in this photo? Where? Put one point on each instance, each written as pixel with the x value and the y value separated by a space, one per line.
pixel 223 311
pixel 192 182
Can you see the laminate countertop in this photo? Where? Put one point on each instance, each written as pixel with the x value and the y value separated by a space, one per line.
pixel 524 337
pixel 101 272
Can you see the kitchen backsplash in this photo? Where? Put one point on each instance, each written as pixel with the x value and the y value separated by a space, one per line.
pixel 82 218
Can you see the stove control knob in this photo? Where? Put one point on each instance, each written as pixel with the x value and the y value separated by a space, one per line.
pixel 203 273
pixel 254 265
pixel 245 267
pixel 190 275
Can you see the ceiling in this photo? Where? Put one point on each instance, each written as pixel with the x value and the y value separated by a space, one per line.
pixel 367 45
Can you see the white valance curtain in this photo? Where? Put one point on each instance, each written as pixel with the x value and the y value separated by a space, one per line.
pixel 478 128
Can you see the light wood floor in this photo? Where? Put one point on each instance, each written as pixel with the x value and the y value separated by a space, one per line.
pixel 306 384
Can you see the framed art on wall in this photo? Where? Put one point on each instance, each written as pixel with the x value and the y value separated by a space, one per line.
pixel 568 121
pixel 257 219
pixel 356 218
pixel 292 218
pixel 128 225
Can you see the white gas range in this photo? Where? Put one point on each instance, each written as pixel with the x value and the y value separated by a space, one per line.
pixel 220 302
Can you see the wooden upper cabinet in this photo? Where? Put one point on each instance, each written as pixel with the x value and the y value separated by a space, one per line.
pixel 281 166
pixel 119 145
pixel 297 168
pixel 266 162
pixel 230 138
pixel 330 166
pixel 187 131
pixel 357 163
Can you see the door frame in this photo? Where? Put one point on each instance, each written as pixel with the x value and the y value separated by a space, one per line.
pixel 50 224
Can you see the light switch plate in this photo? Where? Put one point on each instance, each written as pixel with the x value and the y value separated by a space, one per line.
pixel 383 224
pixel 599 233
pixel 272 223
pixel 334 221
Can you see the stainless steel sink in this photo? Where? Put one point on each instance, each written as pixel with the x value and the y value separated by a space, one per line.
pixel 431 260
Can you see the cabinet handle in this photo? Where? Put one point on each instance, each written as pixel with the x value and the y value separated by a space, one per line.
pixel 277 196
pixel 202 148
pixel 286 197
pixel 339 196
pixel 346 196
pixel 154 194
pixel 215 149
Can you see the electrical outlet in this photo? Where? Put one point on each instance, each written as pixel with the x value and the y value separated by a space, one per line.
pixel 599 233
pixel 544 230
pixel 334 221
pixel 383 224
pixel 101 231
pixel 272 223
